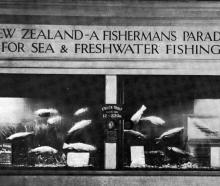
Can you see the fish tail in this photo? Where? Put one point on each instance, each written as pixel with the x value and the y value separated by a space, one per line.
pixel 143 108
pixel 65 145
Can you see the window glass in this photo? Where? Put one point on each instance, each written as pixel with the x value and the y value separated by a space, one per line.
pixel 171 122
pixel 51 121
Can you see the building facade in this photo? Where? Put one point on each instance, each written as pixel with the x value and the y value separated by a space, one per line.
pixel 109 92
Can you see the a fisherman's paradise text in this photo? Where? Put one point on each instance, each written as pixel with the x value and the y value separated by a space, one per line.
pixel 108 41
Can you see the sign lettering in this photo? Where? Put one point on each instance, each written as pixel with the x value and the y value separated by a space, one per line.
pixel 105 42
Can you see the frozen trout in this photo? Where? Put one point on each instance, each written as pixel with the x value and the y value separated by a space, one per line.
pixel 79 125
pixel 81 111
pixel 170 133
pixel 180 151
pixel 46 112
pixel 154 120
pixel 19 135
pixel 79 147
pixel 54 120
pixel 135 134
pixel 43 149
pixel 137 115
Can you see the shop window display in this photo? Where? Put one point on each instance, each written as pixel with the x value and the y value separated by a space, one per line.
pixel 171 122
pixel 51 121
pixel 56 121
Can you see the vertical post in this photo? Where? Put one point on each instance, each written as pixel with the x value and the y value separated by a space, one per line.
pixel 120 134
pixel 110 145
pixel 111 89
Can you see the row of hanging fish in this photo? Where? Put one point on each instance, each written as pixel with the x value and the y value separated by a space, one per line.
pixel 71 146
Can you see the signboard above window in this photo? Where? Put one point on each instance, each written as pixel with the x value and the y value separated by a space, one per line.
pixel 109 42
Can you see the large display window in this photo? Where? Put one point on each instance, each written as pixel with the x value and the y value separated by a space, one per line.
pixel 171 122
pixel 168 122
pixel 51 121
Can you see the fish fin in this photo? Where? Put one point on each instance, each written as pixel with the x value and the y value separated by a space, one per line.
pixel 158 140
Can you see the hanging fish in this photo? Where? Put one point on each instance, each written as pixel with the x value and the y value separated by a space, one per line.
pixel 79 147
pixel 206 130
pixel 43 149
pixel 79 125
pixel 137 115
pixel 46 112
pixel 81 111
pixel 19 135
pixel 135 133
pixel 180 151
pixel 170 133
pixel 54 120
pixel 154 120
